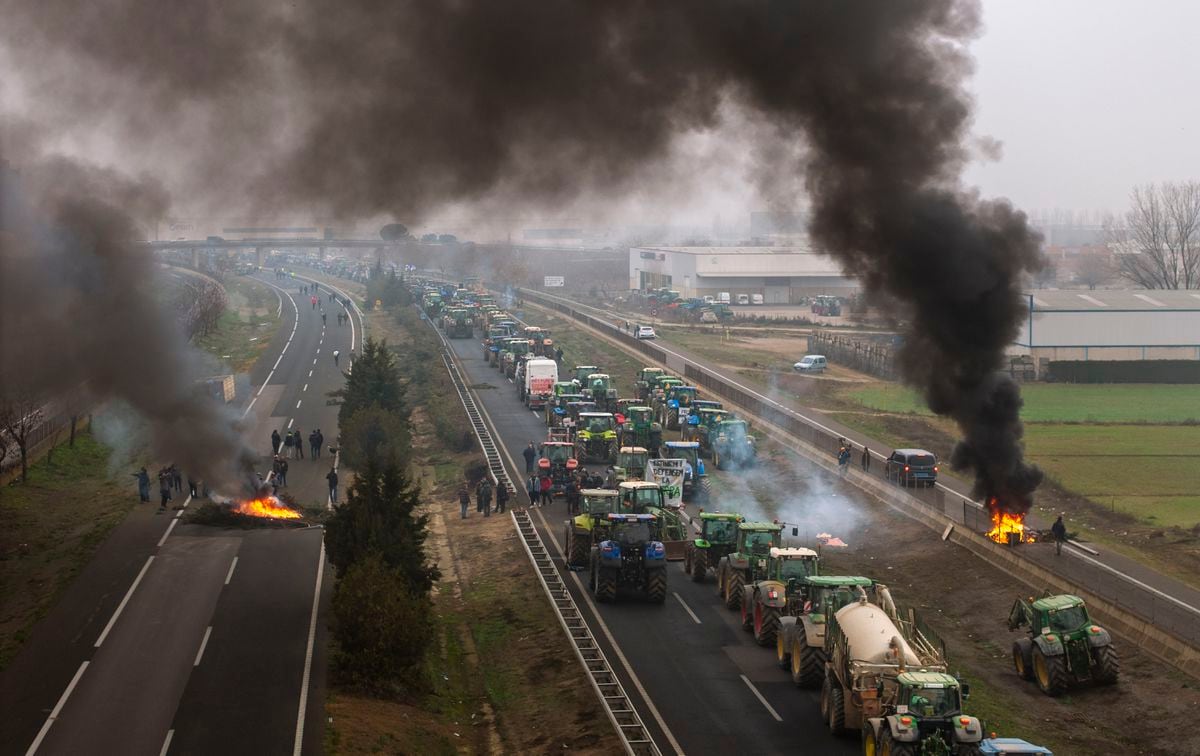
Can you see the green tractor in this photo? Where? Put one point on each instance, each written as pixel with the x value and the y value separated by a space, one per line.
pixel 559 406
pixel 639 429
pixel 1064 645
pixel 631 464
pixel 601 390
pixel 458 324
pixel 589 526
pixel 696 484
pixel 632 554
pixel 580 375
pixel 701 430
pixel 732 445
pixel 515 351
pixel 659 393
pixel 596 437
pixel 646 497
pixel 718 537
pixel 674 406
pixel 748 560
pixel 777 592
pixel 931 722
pixel 800 642
pixel 647 381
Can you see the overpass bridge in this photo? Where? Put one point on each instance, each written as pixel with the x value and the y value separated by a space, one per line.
pixel 198 247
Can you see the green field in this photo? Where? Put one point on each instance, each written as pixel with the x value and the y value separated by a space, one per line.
pixel 1067 403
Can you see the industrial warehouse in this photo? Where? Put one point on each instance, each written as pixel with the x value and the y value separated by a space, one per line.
pixel 780 275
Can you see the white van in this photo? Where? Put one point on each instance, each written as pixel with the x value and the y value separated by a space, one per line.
pixel 708 299
pixel 810 363
pixel 756 299
pixel 723 297
pixel 537 385
pixel 743 299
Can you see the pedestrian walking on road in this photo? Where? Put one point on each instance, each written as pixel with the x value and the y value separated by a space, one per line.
pixel 333 480
pixel 336 353
pixel 331 296
pixel 533 489
pixel 320 442
pixel 193 490
pixel 1060 534
pixel 314 301
pixel 287 445
pixel 176 479
pixel 501 497
pixel 464 498
pixel 275 441
pixel 283 471
pixel 558 355
pixel 866 459
pixel 143 481
pixel 298 444
pixel 546 485
pixel 530 455
pixel 314 446
pixel 164 489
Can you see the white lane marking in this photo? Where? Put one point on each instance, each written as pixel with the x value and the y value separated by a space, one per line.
pixel 535 414
pixel 179 512
pixel 318 350
pixel 167 743
pixel 203 645
pixel 298 403
pixel 305 387
pixel 308 654
pixel 687 608
pixel 58 707
pixel 232 567
pixel 295 323
pixel 251 404
pixel 290 423
pixel 310 374
pixel 760 698
pixel 121 606
pixel 314 360
pixel 170 527
pixel 277 360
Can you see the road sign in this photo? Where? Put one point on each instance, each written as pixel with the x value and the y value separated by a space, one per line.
pixel 549 281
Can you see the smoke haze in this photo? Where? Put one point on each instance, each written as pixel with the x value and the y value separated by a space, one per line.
pixel 373 107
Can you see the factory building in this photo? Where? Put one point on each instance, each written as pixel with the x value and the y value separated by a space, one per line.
pixel 1111 324
pixel 782 275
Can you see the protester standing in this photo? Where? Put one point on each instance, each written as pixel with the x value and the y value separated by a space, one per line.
pixel 546 485
pixel 143 481
pixel 320 441
pixel 501 497
pixel 530 454
pixel 164 489
pixel 464 498
pixel 287 444
pixel 275 441
pixel 298 443
pixel 533 489
pixel 1059 529
pixel 866 459
pixel 333 483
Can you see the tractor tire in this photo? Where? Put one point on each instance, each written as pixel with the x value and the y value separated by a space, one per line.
pixel 700 565
pixel 604 584
pixel 870 746
pixel 1022 654
pixel 1050 672
pixel 1108 665
pixel 766 624
pixel 808 664
pixel 578 549
pixel 837 710
pixel 734 581
pixel 747 615
pixel 656 586
pixel 890 747
pixel 672 421
pixel 783 651
pixel 703 490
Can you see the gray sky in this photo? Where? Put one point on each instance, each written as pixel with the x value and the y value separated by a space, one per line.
pixel 1089 98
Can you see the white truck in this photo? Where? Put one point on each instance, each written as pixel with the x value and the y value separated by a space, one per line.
pixel 538 381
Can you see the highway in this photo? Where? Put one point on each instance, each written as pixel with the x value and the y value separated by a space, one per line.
pixel 180 638
pixel 699 681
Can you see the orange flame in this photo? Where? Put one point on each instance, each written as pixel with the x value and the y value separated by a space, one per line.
pixel 269 507
pixel 1005 525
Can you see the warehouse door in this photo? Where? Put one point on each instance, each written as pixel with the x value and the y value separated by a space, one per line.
pixel 777 294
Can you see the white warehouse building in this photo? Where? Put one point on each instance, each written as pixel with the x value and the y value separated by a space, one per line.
pixel 782 275
pixel 1111 324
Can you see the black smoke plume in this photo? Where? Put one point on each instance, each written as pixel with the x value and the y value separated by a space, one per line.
pixel 383 107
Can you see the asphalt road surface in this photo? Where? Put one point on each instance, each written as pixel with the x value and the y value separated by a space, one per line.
pixel 699 682
pixel 182 638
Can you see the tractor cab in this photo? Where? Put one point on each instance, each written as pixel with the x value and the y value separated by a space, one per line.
pixel 928 696
pixel 665 384
pixel 631 463
pixel 719 528
pixel 558 460
pixel 621 409
pixel 647 381
pixel 596 436
pixel 638 495
pixel 834 591
pixel 791 564
pixel 756 539
pixel 597 422
pixel 581 373
pixel 695 477
pixel 559 407
pixel 705 419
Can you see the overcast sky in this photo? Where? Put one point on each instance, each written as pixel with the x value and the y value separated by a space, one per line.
pixel 1089 98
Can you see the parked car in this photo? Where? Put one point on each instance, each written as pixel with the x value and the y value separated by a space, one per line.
pixel 756 299
pixel 645 332
pixel 723 297
pixel 743 299
pixel 911 467
pixel 709 299
pixel 810 363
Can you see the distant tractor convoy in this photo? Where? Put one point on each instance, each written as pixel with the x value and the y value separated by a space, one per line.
pixel 881 673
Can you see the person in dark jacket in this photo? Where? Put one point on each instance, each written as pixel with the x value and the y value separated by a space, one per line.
pixel 333 481
pixel 275 441
pixel 143 481
pixel 288 440
pixel 320 442
pixel 298 443
pixel 1059 529
pixel 530 455
pixel 501 497
pixel 866 459
pixel 533 489
pixel 464 498
pixel 164 489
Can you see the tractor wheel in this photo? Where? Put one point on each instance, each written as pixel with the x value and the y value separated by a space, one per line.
pixel 578 548
pixel 1108 665
pixel 823 704
pixel 1050 673
pixel 870 747
pixel 890 747
pixel 808 663
pixel 656 586
pixel 605 584
pixel 703 490
pixel 783 651
pixel 747 614
pixel 699 565
pixel 733 589
pixel 766 624
pixel 1022 651
pixel 837 709
pixel 672 421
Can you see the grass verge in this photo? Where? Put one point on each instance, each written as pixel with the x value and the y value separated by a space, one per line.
pixel 246 327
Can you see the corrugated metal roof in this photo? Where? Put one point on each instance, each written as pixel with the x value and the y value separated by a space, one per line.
pixel 1108 300
pixel 778 262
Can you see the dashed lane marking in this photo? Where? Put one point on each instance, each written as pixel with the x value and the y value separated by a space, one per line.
pixel 761 700
pixel 687 608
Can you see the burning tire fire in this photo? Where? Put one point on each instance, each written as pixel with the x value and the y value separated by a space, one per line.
pixel 267 507
pixel 1007 528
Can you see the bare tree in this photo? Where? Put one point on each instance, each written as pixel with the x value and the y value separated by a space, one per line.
pixel 1158 244
pixel 1094 270
pixel 21 411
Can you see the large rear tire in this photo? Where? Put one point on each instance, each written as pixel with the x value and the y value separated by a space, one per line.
pixel 1108 665
pixel 605 584
pixel 656 585
pixel 699 565
pixel 672 422
pixel 783 651
pixel 579 548
pixel 734 581
pixel 1050 672
pixel 747 613
pixel 703 490
pixel 766 624
pixel 869 745
pixel 808 663
pixel 890 747
pixel 1022 655
pixel 837 709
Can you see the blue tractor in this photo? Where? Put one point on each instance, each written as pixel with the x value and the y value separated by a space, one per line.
pixel 696 485
pixel 633 556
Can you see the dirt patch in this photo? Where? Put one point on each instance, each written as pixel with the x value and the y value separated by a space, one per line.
pixel 360 725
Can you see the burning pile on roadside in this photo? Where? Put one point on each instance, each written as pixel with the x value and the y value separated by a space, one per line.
pixel 265 506
pixel 1007 527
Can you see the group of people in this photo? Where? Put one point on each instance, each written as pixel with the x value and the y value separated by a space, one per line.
pixel 170 482
pixel 293 444
pixel 846 453
pixel 540 487
pixel 483 497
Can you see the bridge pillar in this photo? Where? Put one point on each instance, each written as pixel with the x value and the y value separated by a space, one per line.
pixel 258 256
pixel 195 258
